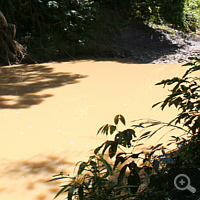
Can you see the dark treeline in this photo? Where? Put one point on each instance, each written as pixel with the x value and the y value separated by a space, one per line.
pixel 58 29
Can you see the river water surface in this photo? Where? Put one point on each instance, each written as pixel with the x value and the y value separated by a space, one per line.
pixel 50 114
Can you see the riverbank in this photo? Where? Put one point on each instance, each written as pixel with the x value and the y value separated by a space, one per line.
pixel 142 43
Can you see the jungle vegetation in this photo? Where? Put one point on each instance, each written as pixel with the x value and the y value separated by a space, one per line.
pixel 143 175
pixel 52 30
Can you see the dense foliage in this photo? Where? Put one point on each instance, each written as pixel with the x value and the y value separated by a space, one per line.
pixel 142 175
pixel 11 52
pixel 58 29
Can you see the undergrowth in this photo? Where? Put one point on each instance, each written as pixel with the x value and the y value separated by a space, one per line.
pixel 142 175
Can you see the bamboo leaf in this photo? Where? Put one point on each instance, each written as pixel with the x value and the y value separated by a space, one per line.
pixel 134 179
pixel 93 164
pixel 55 179
pixel 177 101
pixel 105 129
pixel 144 135
pixel 107 144
pixel 98 149
pixel 122 174
pixel 62 190
pixel 80 192
pixel 154 105
pixel 116 119
pixel 118 138
pixel 122 119
pixel 100 129
pixel 112 129
pixel 134 155
pixel 108 167
pixel 112 150
pixel 127 135
pixel 82 167
pixel 71 191
pixel 156 147
pixel 119 159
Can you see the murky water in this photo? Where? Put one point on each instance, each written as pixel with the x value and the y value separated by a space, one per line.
pixel 50 114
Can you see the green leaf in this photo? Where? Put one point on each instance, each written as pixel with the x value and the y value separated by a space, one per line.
pixel 156 147
pixel 188 64
pixel 55 179
pixel 168 81
pixel 154 105
pixel 80 192
pixel 93 164
pixel 107 144
pixel 82 167
pixel 192 69
pixel 166 101
pixel 119 159
pixel 137 126
pixel 108 167
pixel 118 138
pixel 151 153
pixel 62 190
pixel 116 119
pixel 100 130
pixel 122 174
pixel 127 134
pixel 112 150
pixel 71 191
pixel 122 119
pixel 134 179
pixel 98 149
pixel 132 166
pixel 184 88
pixel 112 129
pixel 177 101
pixel 134 155
pixel 132 132
pixel 144 135
pixel 105 129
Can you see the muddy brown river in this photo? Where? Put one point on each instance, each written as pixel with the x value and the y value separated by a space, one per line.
pixel 50 114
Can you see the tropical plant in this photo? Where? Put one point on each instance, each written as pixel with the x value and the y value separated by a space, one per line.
pixel 60 29
pixel 95 178
pixel 11 52
pixel 178 13
pixel 142 175
pixel 185 97
pixel 47 22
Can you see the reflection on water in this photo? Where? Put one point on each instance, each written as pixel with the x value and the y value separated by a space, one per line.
pixel 48 123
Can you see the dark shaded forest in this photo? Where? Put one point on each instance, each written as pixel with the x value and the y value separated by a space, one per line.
pixel 42 30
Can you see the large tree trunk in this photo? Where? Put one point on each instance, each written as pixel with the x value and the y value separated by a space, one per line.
pixel 11 52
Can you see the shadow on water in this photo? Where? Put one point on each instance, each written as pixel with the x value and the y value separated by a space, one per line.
pixel 38 165
pixel 33 174
pixel 19 84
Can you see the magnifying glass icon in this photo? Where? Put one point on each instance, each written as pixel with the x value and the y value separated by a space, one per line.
pixel 182 182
